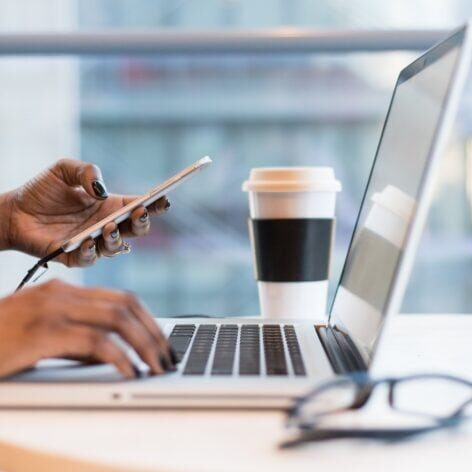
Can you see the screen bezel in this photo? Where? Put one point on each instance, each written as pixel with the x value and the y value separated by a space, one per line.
pixel 460 39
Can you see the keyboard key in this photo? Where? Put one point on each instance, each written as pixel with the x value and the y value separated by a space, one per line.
pixel 294 350
pixel 200 350
pixel 274 350
pixel 225 350
pixel 249 350
pixel 180 338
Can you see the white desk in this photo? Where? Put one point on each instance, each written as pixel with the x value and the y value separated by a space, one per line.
pixel 244 441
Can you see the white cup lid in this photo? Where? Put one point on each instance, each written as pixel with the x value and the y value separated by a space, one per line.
pixel 395 200
pixel 292 179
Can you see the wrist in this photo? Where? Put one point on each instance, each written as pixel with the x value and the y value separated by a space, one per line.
pixel 6 218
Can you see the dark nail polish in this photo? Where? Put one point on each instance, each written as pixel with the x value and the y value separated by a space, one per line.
pixel 137 372
pixel 173 355
pixel 167 205
pixel 171 367
pixel 164 362
pixel 114 234
pixel 99 189
pixel 143 218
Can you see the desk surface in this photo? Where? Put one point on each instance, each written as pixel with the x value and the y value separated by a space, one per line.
pixel 244 441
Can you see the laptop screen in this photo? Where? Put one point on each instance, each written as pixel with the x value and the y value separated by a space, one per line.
pixel 389 203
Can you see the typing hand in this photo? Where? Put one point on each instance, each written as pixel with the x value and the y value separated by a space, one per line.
pixel 55 319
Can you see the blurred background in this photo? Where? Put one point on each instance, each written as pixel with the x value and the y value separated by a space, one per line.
pixel 141 118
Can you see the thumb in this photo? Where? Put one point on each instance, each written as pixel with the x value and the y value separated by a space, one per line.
pixel 87 175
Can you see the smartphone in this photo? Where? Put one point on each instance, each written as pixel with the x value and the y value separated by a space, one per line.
pixel 145 200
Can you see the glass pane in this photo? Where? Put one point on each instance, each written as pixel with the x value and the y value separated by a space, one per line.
pixel 142 119
pixel 270 13
pixel 60 15
pixel 39 109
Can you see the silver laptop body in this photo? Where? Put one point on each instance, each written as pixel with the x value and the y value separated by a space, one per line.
pixel 255 363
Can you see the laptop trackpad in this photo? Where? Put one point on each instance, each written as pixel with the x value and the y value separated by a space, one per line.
pixel 62 370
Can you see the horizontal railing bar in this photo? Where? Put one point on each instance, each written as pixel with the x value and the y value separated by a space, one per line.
pixel 280 40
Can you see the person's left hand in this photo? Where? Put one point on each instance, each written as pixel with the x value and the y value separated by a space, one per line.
pixel 65 199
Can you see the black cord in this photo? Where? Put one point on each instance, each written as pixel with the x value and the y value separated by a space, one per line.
pixel 41 263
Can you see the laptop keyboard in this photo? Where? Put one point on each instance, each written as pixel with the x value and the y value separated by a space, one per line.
pixel 180 339
pixel 274 350
pixel 249 350
pixel 200 351
pixel 229 349
pixel 225 350
pixel 294 350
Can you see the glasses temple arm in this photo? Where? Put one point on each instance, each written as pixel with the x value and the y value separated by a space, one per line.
pixel 377 434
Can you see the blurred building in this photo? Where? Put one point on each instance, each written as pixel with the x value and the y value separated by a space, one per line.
pixel 142 118
pixel 153 115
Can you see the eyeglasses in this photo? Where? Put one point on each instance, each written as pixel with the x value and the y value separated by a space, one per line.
pixel 440 400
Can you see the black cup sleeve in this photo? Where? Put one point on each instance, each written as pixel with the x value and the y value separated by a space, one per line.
pixel 291 250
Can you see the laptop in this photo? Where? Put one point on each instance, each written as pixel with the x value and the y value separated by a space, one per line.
pixel 258 363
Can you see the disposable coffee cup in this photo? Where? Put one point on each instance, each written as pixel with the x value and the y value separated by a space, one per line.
pixel 291 227
pixel 360 301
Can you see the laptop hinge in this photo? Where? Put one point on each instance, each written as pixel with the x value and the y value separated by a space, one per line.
pixel 341 351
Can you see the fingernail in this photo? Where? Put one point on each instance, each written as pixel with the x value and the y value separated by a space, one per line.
pixel 171 367
pixel 173 355
pixel 91 249
pixel 143 218
pixel 164 362
pixel 137 372
pixel 167 205
pixel 99 189
pixel 114 234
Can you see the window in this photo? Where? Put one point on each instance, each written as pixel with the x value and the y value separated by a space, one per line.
pixel 142 118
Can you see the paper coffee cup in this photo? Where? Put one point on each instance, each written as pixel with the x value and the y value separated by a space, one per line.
pixel 360 301
pixel 292 231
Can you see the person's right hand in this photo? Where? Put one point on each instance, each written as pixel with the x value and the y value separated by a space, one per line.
pixel 55 319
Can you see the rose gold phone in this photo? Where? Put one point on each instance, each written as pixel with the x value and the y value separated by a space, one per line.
pixel 124 213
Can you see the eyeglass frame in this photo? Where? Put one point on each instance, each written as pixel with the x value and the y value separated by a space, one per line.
pixel 365 386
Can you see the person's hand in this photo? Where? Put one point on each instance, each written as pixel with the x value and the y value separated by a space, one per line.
pixel 65 199
pixel 55 319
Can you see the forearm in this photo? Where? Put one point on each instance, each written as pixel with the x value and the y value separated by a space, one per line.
pixel 6 200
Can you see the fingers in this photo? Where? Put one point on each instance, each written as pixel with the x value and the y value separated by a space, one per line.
pixel 89 176
pixel 129 304
pixel 111 316
pixel 106 311
pixel 140 222
pixel 111 241
pixel 86 255
pixel 159 206
pixel 85 342
pixel 55 319
pixel 149 322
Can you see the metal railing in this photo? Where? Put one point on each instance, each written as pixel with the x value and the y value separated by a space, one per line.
pixel 272 41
